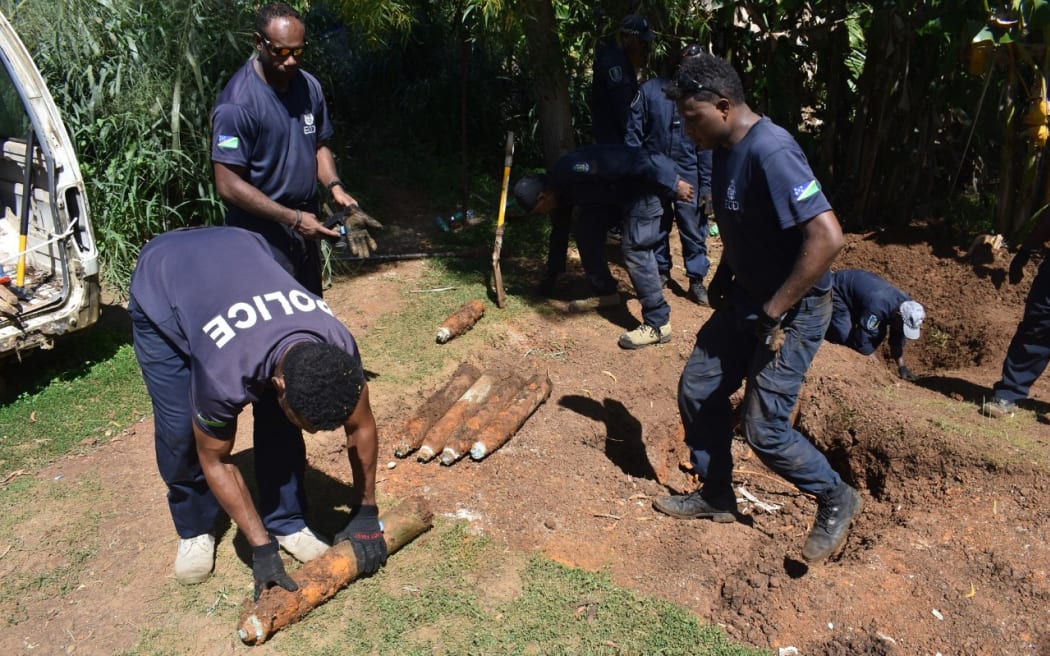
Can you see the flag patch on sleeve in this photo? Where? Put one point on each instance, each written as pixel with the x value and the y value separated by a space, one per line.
pixel 806 190
pixel 229 141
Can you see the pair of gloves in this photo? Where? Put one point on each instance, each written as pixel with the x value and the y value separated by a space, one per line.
pixel 353 224
pixel 765 328
pixel 364 532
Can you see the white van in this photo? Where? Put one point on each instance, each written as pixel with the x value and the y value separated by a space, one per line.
pixel 43 206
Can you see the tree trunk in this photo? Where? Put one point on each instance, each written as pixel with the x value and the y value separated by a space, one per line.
pixel 550 82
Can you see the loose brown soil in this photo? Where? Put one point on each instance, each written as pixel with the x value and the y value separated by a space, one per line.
pixel 950 555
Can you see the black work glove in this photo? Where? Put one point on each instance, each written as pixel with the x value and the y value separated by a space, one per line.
pixel 1017 265
pixel 720 288
pixel 767 330
pixel 366 537
pixel 268 569
pixel 906 374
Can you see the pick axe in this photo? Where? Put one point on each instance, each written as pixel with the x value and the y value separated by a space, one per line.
pixel 497 275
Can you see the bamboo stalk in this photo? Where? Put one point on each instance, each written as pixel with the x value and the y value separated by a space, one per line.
pixel 415 428
pixel 511 417
pixel 321 578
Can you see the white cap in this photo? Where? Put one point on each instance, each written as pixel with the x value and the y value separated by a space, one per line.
pixel 913 314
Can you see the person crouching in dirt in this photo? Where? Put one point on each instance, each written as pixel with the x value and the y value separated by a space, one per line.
pixel 771 294
pixel 1029 350
pixel 866 308
pixel 610 183
pixel 260 339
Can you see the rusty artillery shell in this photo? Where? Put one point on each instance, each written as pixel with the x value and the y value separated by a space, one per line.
pixel 511 417
pixel 414 430
pixel 322 577
pixel 466 406
pixel 463 436
pixel 460 321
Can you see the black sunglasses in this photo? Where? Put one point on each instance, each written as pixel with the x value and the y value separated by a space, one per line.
pixel 283 52
pixel 688 84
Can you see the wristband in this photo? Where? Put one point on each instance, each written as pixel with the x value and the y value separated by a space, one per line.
pixel 298 220
pixel 335 183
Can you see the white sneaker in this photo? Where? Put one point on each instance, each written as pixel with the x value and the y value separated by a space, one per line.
pixel 303 545
pixel 195 559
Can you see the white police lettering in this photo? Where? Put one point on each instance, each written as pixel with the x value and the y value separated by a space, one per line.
pixel 246 315
pixel 731 203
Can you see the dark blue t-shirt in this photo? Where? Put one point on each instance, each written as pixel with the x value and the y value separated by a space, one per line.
pixel 274 136
pixel 608 174
pixel 224 302
pixel 654 124
pixel 763 190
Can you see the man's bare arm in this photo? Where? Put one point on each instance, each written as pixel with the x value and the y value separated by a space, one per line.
pixel 821 242
pixel 227 484
pixel 235 190
pixel 362 444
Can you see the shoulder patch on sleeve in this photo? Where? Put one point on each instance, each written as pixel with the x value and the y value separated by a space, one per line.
pixel 871 324
pixel 228 141
pixel 637 98
pixel 615 74
pixel 806 190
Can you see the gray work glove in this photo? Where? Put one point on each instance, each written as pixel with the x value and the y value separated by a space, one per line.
pixel 353 224
pixel 268 569
pixel 366 538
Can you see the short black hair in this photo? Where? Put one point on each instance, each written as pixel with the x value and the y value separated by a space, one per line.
pixel 268 13
pixel 322 383
pixel 716 74
pixel 527 190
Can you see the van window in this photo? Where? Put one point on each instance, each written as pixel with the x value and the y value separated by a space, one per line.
pixel 14 122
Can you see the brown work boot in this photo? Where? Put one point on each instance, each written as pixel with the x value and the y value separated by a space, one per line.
pixel 835 513
pixel 644 335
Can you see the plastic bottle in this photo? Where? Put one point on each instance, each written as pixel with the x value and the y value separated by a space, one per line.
pixel 455 222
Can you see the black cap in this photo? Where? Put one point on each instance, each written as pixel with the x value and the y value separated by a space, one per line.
pixel 527 190
pixel 637 25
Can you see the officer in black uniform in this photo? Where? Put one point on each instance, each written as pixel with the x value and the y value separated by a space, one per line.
pixel 255 336
pixel 1029 350
pixel 608 183
pixel 654 124
pixel 614 78
pixel 866 308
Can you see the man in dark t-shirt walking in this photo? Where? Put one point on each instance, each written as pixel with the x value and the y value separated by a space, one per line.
pixel 772 298
pixel 258 338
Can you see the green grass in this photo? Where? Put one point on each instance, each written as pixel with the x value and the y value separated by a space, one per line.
pixel 89 389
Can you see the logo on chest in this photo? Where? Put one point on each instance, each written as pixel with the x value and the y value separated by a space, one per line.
pixel 731 202
pixel 308 123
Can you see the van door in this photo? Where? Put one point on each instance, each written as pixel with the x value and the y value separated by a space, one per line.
pixel 47 247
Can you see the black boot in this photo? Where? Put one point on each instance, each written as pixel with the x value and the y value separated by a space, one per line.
pixel 700 505
pixel 835 512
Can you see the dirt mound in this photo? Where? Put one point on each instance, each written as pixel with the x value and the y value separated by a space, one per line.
pixel 951 553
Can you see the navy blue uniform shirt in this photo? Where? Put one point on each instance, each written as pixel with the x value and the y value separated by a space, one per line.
pixel 654 124
pixel 275 137
pixel 224 302
pixel 762 191
pixel 870 306
pixel 613 85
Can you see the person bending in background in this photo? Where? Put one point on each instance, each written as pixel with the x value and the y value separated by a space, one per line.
pixel 1029 350
pixel 867 308
pixel 259 337
pixel 611 184
pixel 772 299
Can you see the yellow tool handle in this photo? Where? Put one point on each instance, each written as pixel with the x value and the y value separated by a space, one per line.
pixel 508 158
